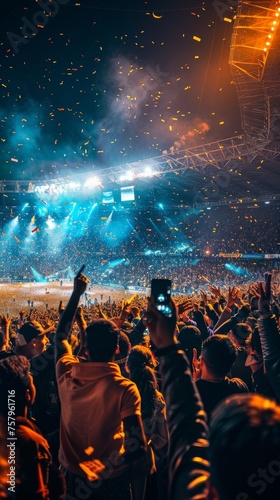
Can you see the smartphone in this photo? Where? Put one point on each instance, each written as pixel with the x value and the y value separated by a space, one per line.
pixel 161 292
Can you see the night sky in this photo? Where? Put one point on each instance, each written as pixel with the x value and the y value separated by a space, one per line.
pixel 103 83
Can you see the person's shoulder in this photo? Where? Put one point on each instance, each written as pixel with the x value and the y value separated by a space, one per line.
pixel 26 431
pixel 127 386
pixel 237 384
pixel 129 397
pixel 68 358
pixel 124 381
pixel 43 360
pixel 205 388
pixel 65 363
pixel 202 383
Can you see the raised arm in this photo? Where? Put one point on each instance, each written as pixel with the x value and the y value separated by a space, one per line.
pixel 123 315
pixel 188 451
pixel 82 324
pixel 227 311
pixel 269 336
pixel 61 343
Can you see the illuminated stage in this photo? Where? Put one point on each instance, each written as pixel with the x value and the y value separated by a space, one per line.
pixel 14 297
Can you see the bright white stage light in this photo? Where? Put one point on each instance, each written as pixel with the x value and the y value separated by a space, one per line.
pixel 50 223
pixel 128 176
pixel 73 185
pixel 148 172
pixel 92 182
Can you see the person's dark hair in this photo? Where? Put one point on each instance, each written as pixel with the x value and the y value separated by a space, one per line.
pixel 141 365
pixel 245 448
pixel 252 322
pixel 242 333
pixel 219 353
pixel 14 379
pixel 180 325
pixel 102 337
pixel 127 326
pixel 190 338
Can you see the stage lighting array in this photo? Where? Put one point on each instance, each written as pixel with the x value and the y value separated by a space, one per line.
pixel 91 183
pixel 64 187
pixel 130 175
pixel 273 27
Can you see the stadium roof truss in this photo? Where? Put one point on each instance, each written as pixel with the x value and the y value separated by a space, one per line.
pixel 255 64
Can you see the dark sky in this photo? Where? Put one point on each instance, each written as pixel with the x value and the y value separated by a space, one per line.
pixel 102 83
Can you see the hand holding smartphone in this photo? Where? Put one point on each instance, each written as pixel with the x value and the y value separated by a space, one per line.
pixel 161 294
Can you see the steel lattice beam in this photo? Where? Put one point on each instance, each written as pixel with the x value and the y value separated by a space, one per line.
pixel 256 69
pixel 255 61
pixel 216 154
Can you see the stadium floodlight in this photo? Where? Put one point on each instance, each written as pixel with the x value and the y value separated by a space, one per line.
pixel 51 223
pixel 148 172
pixel 127 176
pixel 43 188
pixel 92 182
pixel 72 186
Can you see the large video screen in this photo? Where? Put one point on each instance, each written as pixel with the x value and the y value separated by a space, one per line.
pixel 127 193
pixel 108 197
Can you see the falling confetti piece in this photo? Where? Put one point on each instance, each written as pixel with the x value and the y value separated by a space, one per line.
pixel 89 450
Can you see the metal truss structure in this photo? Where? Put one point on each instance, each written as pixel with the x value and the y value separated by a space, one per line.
pixel 243 201
pixel 216 154
pixel 255 64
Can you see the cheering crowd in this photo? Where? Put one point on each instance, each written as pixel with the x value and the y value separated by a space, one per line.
pixel 167 241
pixel 116 400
